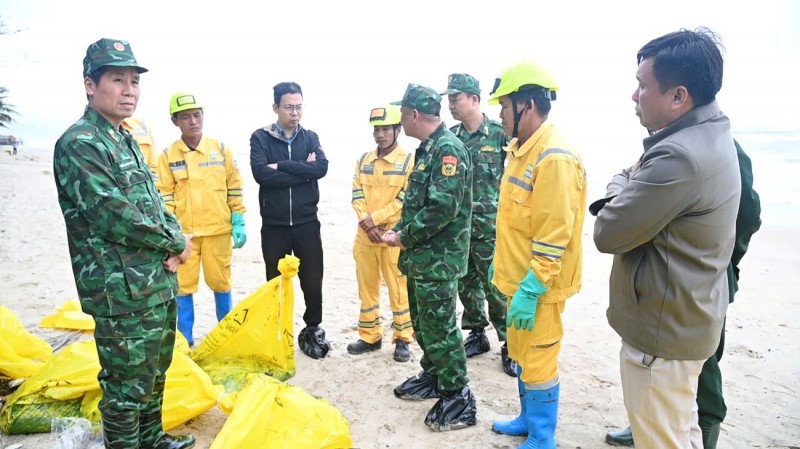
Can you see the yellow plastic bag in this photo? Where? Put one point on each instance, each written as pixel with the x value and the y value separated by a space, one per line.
pixel 21 354
pixel 67 387
pixel 270 414
pixel 69 316
pixel 257 336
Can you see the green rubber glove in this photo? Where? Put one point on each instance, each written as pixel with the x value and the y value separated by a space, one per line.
pixel 239 236
pixel 522 311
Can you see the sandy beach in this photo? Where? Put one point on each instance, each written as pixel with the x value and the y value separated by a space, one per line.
pixel 761 367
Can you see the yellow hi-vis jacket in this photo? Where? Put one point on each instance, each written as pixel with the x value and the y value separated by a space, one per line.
pixel 379 187
pixel 540 215
pixel 201 187
pixel 142 135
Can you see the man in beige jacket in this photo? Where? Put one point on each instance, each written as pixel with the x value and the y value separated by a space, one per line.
pixel 669 221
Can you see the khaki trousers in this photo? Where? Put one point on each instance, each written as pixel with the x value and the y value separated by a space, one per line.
pixel 660 397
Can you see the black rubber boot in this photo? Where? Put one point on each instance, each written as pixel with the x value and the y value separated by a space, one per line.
pixel 710 436
pixel 509 365
pixel 453 411
pixel 620 437
pixel 476 343
pixel 359 347
pixel 313 343
pixel 120 429
pixel 401 351
pixel 418 388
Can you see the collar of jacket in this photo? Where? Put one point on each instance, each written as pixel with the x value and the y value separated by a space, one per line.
pixel 483 128
pixel 201 147
pixel 94 117
pixel 394 157
pixel 698 115
pixel 532 144
pixel 435 135
pixel 276 131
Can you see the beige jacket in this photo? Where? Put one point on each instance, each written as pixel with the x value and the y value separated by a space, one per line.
pixel 671 226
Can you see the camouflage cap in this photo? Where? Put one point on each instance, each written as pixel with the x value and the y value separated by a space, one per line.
pixel 461 82
pixel 424 99
pixel 109 52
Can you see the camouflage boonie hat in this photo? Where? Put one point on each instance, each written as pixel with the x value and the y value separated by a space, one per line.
pixel 424 99
pixel 461 82
pixel 109 52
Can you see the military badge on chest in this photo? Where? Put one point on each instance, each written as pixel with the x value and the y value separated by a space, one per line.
pixel 449 164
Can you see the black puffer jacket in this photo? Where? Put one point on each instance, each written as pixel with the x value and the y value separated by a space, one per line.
pixel 288 195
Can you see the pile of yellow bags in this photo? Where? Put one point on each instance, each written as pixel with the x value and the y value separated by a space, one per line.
pixel 256 337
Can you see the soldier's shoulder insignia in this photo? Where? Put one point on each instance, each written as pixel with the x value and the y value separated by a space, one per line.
pixel 449 164
pixel 487 148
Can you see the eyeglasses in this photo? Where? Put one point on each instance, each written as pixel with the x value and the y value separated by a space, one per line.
pixel 292 108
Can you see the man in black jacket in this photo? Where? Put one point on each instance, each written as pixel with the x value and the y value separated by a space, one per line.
pixel 287 160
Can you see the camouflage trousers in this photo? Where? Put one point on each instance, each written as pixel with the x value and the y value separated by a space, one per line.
pixel 475 288
pixel 433 315
pixel 135 351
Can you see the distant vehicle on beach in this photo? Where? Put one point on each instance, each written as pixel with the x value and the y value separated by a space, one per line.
pixel 9 144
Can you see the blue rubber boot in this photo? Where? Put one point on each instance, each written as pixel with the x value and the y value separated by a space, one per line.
pixel 224 304
pixel 186 317
pixel 541 414
pixel 514 426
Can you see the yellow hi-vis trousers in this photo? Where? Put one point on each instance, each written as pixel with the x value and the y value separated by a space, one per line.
pixel 214 253
pixel 537 352
pixel 372 262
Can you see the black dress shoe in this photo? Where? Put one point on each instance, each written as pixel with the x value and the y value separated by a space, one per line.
pixel 361 347
pixel 509 365
pixel 401 351
pixel 620 437
pixel 418 388
pixel 476 343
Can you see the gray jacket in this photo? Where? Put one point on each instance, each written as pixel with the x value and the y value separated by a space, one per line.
pixel 670 224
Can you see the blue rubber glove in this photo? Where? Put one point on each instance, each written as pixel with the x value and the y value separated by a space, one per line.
pixel 491 272
pixel 239 236
pixel 522 311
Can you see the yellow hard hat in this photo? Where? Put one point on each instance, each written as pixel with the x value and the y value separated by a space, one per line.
pixel 183 101
pixel 385 115
pixel 523 73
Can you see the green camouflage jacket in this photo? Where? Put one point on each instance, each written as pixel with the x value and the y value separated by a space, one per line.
pixel 435 221
pixel 117 227
pixel 485 147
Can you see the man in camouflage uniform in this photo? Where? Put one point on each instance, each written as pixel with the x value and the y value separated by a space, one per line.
pixel 433 235
pixel 484 140
pixel 125 250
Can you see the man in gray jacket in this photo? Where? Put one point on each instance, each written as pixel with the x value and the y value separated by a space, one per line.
pixel 669 221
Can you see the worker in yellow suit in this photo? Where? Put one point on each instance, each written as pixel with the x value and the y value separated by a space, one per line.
pixel 142 135
pixel 201 185
pixel 379 186
pixel 538 253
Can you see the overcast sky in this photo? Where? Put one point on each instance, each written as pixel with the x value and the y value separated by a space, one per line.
pixel 350 56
